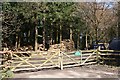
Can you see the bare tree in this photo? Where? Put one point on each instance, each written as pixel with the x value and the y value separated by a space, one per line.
pixel 119 19
pixel 99 17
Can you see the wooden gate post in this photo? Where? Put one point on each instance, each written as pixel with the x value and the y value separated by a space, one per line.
pixel 61 60
pixel 97 54
pixel 81 57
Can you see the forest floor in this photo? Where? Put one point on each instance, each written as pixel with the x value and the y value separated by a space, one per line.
pixel 91 71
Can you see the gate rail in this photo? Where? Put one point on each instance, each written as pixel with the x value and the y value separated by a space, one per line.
pixel 19 61
pixel 109 57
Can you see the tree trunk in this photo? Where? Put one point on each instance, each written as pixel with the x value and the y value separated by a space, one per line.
pixel 36 34
pixel 16 43
pixel 57 36
pixel 78 42
pixel 86 41
pixel 96 25
pixel 51 35
pixel 71 33
pixel 44 33
pixel 96 34
pixel 19 38
pixel 118 19
pixel 60 33
pixel 29 37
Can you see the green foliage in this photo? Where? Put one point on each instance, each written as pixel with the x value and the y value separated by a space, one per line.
pixel 19 17
pixel 6 73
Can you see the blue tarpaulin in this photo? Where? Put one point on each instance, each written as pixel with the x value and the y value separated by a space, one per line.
pixel 114 44
pixel 77 53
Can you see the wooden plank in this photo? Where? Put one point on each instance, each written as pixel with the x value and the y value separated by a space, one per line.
pixel 70 57
pixel 65 62
pixel 78 57
pixel 49 59
pixel 79 64
pixel 32 69
pixel 36 60
pixel 16 58
pixel 82 54
pixel 70 62
pixel 90 63
pixel 109 51
pixel 109 58
pixel 92 57
pixel 26 65
pixel 31 59
pixel 75 57
pixel 23 62
pixel 90 51
pixel 88 58
pixel 15 63
pixel 87 54
pixel 83 51
pixel 109 54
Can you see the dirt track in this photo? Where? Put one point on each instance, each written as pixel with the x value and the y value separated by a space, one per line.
pixel 93 71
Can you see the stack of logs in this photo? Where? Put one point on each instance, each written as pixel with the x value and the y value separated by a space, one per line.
pixel 65 45
pixel 27 48
pixel 40 47
pixel 69 44
pixel 24 48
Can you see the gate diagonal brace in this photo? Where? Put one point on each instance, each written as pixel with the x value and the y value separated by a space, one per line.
pixel 88 57
pixel 24 61
pixel 48 59
pixel 70 58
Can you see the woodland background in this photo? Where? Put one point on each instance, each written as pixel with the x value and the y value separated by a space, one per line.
pixel 48 23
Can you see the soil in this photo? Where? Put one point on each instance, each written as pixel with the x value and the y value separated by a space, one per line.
pixel 91 71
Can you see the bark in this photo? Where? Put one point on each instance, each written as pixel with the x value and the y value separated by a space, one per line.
pixel 60 33
pixel 44 33
pixel 118 19
pixel 19 38
pixel 36 34
pixel 57 36
pixel 16 43
pixel 51 35
pixel 78 42
pixel 71 33
pixel 86 41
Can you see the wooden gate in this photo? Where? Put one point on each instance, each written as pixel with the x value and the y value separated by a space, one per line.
pixel 85 58
pixel 35 60
pixel 50 59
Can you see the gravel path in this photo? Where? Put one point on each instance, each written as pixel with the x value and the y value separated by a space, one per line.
pixel 93 71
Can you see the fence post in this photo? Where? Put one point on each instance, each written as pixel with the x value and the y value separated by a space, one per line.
pixel 97 54
pixel 81 57
pixel 61 60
